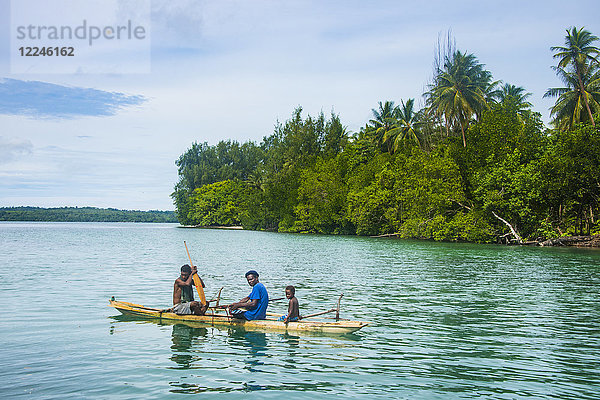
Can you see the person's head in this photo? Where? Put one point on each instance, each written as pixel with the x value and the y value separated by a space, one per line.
pixel 252 277
pixel 290 291
pixel 186 271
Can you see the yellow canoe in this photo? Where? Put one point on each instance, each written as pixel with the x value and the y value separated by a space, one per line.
pixel 218 317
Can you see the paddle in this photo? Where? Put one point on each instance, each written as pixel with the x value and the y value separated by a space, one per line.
pixel 196 279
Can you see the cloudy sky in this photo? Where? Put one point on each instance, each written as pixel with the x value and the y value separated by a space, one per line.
pixel 229 70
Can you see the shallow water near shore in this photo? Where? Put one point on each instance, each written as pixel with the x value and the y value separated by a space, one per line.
pixel 448 320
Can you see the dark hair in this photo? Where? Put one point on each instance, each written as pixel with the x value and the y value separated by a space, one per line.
pixel 251 272
pixel 186 268
pixel 291 289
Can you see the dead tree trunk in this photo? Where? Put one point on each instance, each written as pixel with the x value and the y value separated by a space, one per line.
pixel 513 230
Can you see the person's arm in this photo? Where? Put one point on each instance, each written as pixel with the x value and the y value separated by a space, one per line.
pixel 201 281
pixel 195 271
pixel 245 303
pixel 287 317
pixel 179 283
pixel 251 305
pixel 188 282
pixel 251 302
pixel 293 309
pixel 176 293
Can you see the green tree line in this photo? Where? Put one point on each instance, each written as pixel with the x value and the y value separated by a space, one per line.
pixel 475 163
pixel 83 214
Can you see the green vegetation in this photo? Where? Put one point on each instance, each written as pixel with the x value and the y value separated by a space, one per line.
pixel 475 164
pixel 83 214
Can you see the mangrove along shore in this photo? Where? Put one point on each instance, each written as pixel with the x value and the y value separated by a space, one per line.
pixel 476 163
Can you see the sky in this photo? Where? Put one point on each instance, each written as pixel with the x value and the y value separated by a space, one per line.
pixel 109 135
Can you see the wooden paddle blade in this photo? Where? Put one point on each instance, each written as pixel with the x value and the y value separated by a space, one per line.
pixel 196 278
pixel 200 289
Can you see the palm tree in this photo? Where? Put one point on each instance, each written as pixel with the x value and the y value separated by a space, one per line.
pixel 460 90
pixel 406 125
pixel 516 92
pixel 256 180
pixel 517 96
pixel 571 106
pixel 580 54
pixel 491 93
pixel 383 124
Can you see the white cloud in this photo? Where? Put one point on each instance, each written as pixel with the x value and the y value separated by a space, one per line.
pixel 13 148
pixel 228 70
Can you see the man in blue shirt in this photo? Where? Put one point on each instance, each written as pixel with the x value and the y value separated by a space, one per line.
pixel 256 303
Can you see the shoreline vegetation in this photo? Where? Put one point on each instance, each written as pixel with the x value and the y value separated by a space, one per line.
pixel 575 241
pixel 233 227
pixel 84 214
pixel 475 163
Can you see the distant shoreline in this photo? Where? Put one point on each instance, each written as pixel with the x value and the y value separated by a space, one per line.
pixel 235 227
pixel 84 214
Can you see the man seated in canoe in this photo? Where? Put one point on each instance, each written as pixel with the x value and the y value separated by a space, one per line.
pixel 255 303
pixel 183 293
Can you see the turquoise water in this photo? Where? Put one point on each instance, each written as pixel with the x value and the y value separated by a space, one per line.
pixel 448 320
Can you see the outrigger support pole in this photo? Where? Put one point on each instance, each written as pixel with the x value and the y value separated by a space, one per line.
pixel 337 311
pixel 219 296
pixel 317 314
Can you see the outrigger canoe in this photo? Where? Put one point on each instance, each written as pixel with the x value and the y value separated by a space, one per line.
pixel 215 317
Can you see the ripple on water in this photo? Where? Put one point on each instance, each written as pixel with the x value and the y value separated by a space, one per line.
pixel 448 320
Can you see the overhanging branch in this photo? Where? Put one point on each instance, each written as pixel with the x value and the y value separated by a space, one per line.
pixel 514 232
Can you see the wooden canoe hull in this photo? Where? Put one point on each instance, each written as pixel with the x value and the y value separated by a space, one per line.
pixel 220 318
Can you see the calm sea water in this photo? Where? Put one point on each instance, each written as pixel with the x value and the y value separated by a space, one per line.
pixel 448 320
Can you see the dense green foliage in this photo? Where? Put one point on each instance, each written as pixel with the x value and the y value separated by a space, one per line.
pixel 475 164
pixel 202 164
pixel 83 214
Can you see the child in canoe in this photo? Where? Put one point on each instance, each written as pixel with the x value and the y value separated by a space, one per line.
pixel 293 313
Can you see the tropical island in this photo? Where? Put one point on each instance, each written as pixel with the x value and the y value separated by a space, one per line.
pixel 474 164
pixel 84 214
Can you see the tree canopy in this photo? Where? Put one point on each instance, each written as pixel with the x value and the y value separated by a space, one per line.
pixel 475 163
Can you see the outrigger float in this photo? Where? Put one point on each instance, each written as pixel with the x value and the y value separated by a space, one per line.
pixel 220 317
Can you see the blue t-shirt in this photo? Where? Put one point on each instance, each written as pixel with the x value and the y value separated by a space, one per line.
pixel 259 291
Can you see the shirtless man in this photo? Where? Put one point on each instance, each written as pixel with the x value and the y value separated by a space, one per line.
pixel 183 293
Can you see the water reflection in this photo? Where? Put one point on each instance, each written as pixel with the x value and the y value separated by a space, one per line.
pixel 293 345
pixel 183 337
pixel 256 345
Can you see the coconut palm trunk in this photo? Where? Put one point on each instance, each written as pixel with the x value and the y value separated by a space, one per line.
pixel 585 98
pixel 462 129
pixel 580 53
